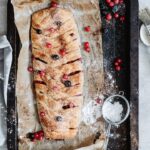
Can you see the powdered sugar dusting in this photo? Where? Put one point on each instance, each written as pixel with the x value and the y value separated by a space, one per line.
pixel 91 112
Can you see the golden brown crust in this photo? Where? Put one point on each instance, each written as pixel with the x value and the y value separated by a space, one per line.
pixel 54 32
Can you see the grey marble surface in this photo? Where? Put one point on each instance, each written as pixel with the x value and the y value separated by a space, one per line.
pixel 3 17
pixel 144 98
pixel 3 28
pixel 144 90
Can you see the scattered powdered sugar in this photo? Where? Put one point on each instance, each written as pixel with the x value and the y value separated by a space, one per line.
pixel 112 111
pixel 91 112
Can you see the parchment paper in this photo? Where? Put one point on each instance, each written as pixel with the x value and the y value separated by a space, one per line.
pixel 86 12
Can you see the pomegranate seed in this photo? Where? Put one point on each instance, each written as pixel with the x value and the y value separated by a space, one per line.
pixel 116 15
pixel 122 18
pixel 42 114
pixel 42 73
pixel 65 77
pixel 108 17
pixel 48 45
pixel 36 135
pixel 30 69
pixel 86 44
pixel 111 4
pixel 108 1
pixel 118 68
pixel 116 1
pixel 87 49
pixel 54 4
pixel 87 29
pixel 62 52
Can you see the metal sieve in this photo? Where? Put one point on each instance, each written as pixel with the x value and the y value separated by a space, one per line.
pixel 125 113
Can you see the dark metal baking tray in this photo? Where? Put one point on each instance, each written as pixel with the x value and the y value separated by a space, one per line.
pixel 117 42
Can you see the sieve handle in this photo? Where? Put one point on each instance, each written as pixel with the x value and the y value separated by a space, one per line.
pixel 108 135
pixel 121 93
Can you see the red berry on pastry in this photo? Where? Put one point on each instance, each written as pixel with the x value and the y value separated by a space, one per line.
pixel 86 44
pixel 118 68
pixel 48 45
pixel 116 1
pixel 62 52
pixel 108 17
pixel 55 88
pixel 42 73
pixel 111 4
pixel 42 114
pixel 65 77
pixel 116 15
pixel 51 30
pixel 54 4
pixel 71 105
pixel 108 1
pixel 87 29
pixel 30 69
